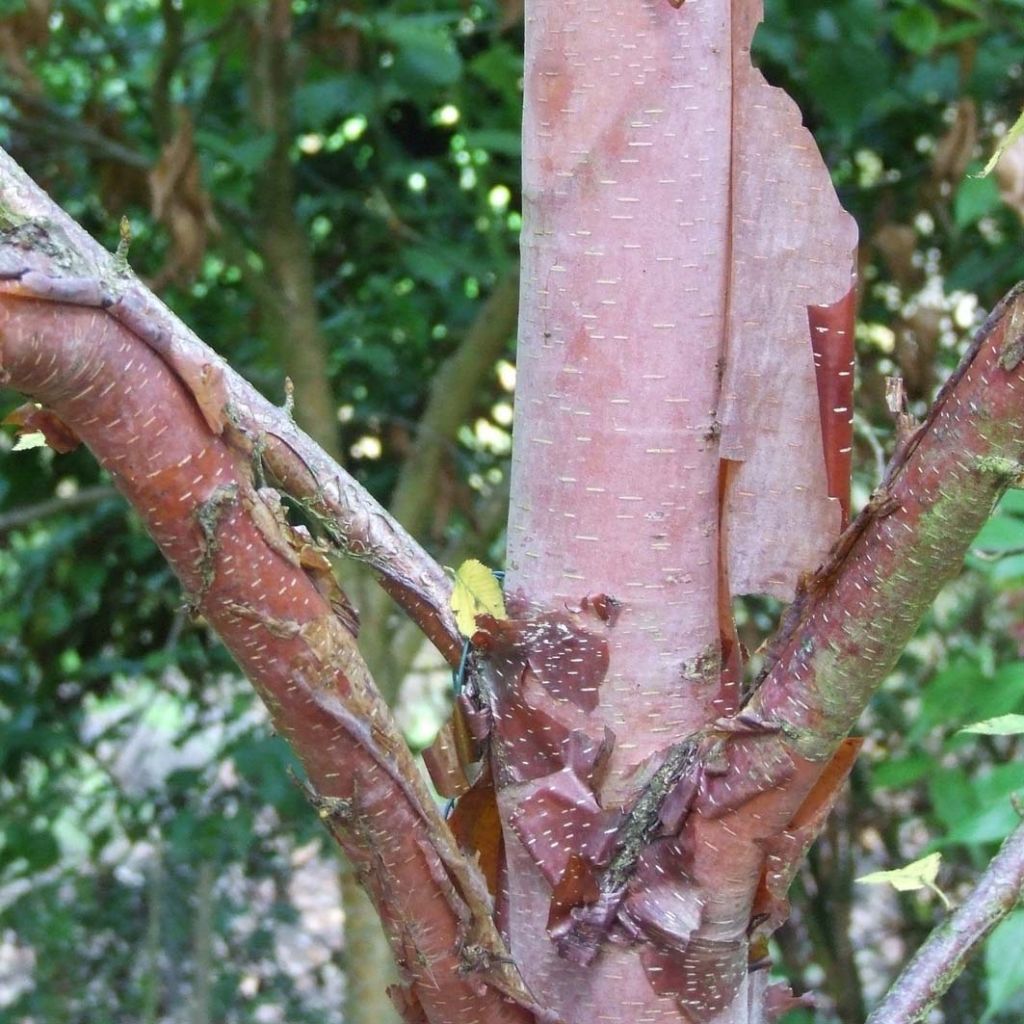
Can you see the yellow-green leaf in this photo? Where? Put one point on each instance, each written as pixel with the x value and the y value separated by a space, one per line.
pixel 1004 725
pixel 1014 133
pixel 476 592
pixel 27 441
pixel 919 874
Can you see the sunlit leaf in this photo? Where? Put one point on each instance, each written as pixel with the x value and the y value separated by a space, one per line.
pixel 26 441
pixel 476 593
pixel 1004 725
pixel 919 874
pixel 1013 134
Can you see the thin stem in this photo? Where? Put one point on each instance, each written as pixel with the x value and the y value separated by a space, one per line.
pixel 944 955
pixel 27 514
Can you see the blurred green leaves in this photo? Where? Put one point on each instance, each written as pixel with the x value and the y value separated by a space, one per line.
pixel 917 27
pixel 1005 968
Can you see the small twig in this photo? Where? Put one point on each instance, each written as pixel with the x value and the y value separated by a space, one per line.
pixel 863 428
pixel 177 628
pixel 995 556
pixel 49 120
pixel 54 506
pixel 945 954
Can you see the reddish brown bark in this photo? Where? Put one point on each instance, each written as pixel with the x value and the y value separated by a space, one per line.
pixel 195 495
pixel 46 254
pixel 650 819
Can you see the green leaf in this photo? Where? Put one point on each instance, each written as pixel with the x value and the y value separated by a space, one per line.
pixel 318 103
pixel 35 845
pixel 425 54
pixel 247 154
pixel 958 33
pixel 999 783
pixel 949 697
pixel 917 28
pixel 841 81
pixel 952 796
pixel 1001 533
pixel 476 592
pixel 1004 725
pixel 1007 140
pixel 991 825
pixel 1004 966
pixel 1008 572
pixel 495 140
pixel 429 264
pixel 975 198
pixel 1012 503
pixel 895 773
pixel 919 874
pixel 500 67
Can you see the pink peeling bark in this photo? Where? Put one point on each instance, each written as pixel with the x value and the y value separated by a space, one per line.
pixel 792 248
pixel 679 225
pixel 615 465
pixel 680 230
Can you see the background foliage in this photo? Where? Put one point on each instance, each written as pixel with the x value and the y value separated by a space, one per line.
pixel 155 862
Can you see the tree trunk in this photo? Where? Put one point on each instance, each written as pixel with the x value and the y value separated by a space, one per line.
pixel 681 438
pixel 632 468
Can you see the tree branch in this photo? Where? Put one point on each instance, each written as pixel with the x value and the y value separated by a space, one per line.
pixel 54 506
pixel 195 495
pixel 171 50
pixel 184 440
pixel 772 771
pixel 51 125
pixel 848 627
pixel 943 957
pixel 42 250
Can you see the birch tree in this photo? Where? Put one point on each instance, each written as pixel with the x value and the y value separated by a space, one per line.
pixel 631 809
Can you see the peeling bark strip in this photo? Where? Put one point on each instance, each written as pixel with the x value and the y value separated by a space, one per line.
pixel 856 616
pixel 847 629
pixel 788 352
pixel 194 492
